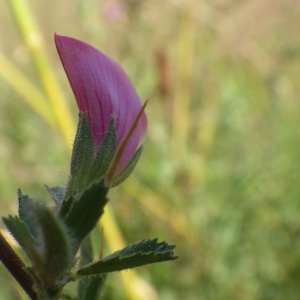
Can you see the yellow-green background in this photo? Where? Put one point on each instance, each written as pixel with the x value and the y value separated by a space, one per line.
pixel 220 172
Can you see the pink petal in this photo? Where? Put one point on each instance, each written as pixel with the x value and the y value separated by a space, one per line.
pixel 102 90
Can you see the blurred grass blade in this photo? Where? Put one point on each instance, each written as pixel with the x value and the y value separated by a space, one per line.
pixel 182 92
pixel 26 89
pixel 34 42
pixel 160 210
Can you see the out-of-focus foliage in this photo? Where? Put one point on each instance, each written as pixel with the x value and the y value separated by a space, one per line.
pixel 220 171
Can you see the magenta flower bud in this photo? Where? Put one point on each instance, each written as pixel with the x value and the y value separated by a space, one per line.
pixel 102 90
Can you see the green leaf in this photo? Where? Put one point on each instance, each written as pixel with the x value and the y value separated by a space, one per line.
pixel 82 156
pixel 128 169
pixel 21 233
pixel 55 243
pixel 65 207
pixel 86 210
pixel 105 153
pixel 25 212
pixel 135 255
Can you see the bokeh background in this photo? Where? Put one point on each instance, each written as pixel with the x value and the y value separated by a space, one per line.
pixel 220 172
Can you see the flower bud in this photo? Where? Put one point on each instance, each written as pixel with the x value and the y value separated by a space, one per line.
pixel 102 90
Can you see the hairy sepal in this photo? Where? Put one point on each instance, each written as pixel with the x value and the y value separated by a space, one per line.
pixel 105 154
pixel 128 169
pixel 82 156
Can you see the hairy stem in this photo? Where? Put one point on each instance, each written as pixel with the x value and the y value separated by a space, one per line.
pixel 15 266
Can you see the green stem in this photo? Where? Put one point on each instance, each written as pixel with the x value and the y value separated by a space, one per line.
pixel 15 266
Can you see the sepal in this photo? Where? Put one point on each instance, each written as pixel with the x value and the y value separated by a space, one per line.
pixel 135 255
pixel 105 153
pixel 85 168
pixel 128 169
pixel 82 156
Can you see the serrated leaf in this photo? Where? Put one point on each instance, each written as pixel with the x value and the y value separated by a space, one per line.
pixel 135 255
pixel 57 193
pixel 105 153
pixel 25 212
pixel 86 210
pixel 128 169
pixel 21 233
pixel 56 248
pixel 82 156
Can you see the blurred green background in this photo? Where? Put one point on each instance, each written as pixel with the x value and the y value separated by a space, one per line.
pixel 220 172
